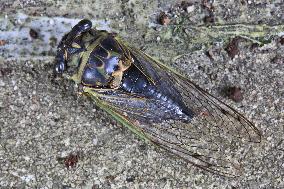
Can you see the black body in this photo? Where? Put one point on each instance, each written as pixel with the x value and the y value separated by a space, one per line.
pixel 104 60
pixel 154 101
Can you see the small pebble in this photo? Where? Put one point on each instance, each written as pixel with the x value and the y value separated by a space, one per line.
pixel 232 48
pixel 33 34
pixel 71 160
pixel 190 9
pixel 2 42
pixel 233 93
pixel 164 19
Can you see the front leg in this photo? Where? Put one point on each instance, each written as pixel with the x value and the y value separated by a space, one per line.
pixel 71 44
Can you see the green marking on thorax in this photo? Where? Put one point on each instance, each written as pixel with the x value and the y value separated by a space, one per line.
pixel 77 77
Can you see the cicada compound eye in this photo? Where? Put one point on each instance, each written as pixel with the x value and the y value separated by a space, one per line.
pixel 60 65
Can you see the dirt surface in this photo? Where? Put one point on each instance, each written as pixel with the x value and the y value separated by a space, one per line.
pixel 52 138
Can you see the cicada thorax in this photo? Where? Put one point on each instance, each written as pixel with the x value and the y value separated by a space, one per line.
pixel 104 62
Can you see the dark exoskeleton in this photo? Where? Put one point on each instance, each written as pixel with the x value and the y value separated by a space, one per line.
pixel 107 64
pixel 154 101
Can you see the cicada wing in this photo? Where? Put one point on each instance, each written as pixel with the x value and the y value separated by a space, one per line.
pixel 209 112
pixel 201 147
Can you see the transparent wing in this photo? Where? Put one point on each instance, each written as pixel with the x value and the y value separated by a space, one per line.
pixel 213 139
pixel 199 145
pixel 207 109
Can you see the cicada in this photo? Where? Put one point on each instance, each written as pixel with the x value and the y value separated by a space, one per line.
pixel 154 101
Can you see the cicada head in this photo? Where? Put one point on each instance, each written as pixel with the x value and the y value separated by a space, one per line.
pixel 68 45
pixel 96 57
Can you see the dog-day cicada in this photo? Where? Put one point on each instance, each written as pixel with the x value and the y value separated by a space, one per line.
pixel 155 102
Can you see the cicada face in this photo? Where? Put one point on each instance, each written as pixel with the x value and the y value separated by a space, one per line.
pixel 153 101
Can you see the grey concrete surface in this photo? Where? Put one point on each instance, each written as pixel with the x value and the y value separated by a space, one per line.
pixel 43 120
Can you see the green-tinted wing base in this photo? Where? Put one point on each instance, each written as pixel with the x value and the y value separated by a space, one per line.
pixel 211 111
pixel 201 146
pixel 214 139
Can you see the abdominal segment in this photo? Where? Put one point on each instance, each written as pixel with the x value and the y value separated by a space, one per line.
pixel 135 82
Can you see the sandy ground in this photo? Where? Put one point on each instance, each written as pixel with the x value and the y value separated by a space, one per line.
pixel 43 121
